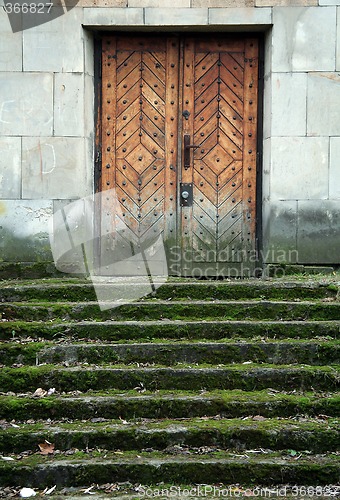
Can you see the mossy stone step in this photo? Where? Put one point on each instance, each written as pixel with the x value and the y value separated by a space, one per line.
pixel 232 310
pixel 245 377
pixel 83 290
pixel 115 404
pixel 312 352
pixel 316 436
pixel 72 290
pixel 29 270
pixel 151 468
pixel 168 329
pixel 136 361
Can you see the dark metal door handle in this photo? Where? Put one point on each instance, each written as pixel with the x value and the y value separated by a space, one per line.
pixel 187 147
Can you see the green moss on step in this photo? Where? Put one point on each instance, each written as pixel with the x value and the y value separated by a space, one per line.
pixel 11 353
pixel 166 404
pixel 245 377
pixel 153 468
pixel 235 434
pixel 174 310
pixel 145 331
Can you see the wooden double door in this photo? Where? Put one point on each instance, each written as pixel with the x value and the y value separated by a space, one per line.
pixel 178 138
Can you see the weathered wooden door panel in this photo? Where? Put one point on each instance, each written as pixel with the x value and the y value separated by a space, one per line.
pixel 156 91
pixel 220 94
pixel 139 142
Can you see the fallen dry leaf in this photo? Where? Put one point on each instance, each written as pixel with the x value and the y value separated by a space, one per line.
pixel 323 417
pixel 39 393
pixel 50 490
pixel 46 448
pixel 88 491
pixel 27 493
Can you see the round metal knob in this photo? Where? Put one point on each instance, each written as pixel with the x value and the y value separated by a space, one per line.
pixel 185 195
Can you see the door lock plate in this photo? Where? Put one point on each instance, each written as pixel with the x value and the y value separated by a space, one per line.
pixel 186 194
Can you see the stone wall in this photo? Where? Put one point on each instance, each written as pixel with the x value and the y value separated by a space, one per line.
pixel 46 129
pixel 46 112
pixel 301 135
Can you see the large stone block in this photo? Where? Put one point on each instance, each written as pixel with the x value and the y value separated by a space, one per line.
pixel 266 169
pixel 286 3
pixel 53 167
pixel 175 4
pixel 323 106
pixel 10 45
pixel 98 16
pixel 267 107
pixel 267 91
pixel 68 104
pixel 268 54
pixel 318 234
pixel 289 92
pixel 241 17
pixel 299 168
pixel 334 169
pixel 56 45
pixel 89 114
pixel 89 170
pixel 89 52
pixel 10 51
pixel 101 3
pixel 26 104
pixel 279 232
pixel 329 2
pixel 24 226
pixel 304 39
pixel 176 17
pixel 10 167
pixel 222 3
pixel 338 42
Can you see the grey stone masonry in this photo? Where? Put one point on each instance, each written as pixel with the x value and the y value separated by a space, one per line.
pixel 47 114
pixel 26 104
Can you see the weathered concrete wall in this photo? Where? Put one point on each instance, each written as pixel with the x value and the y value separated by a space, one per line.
pixel 301 125
pixel 47 116
pixel 46 129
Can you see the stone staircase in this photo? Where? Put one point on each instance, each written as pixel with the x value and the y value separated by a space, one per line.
pixel 202 382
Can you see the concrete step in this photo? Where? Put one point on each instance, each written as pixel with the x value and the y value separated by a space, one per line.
pixel 146 331
pixel 246 377
pixel 153 467
pixel 168 353
pixel 214 381
pixel 299 434
pixel 81 290
pixel 141 403
pixel 160 309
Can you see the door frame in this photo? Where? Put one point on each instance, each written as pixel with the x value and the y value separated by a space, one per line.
pixel 98 38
